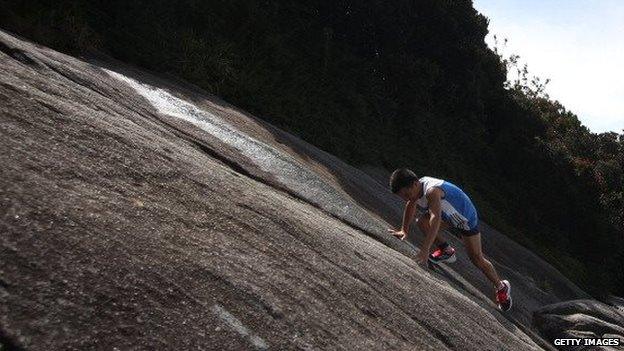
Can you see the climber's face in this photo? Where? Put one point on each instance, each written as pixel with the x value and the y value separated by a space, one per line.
pixel 410 192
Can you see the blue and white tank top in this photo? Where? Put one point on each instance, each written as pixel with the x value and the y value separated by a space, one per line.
pixel 457 209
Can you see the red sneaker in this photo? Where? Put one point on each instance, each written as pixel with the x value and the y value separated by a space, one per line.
pixel 503 296
pixel 443 255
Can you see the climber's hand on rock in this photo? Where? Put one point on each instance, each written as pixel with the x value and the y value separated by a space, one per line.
pixel 398 233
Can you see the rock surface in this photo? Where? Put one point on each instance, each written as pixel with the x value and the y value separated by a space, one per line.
pixel 582 318
pixel 142 213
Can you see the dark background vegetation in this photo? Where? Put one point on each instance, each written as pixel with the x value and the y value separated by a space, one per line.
pixel 401 83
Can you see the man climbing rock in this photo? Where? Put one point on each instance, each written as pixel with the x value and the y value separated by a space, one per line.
pixel 444 206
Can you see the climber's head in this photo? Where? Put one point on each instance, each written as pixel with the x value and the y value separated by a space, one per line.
pixel 404 183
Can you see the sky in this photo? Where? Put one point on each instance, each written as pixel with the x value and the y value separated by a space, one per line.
pixel 578 44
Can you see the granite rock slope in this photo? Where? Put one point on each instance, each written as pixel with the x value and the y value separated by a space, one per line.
pixel 138 212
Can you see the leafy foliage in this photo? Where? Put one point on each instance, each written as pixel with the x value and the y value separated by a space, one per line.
pixel 410 83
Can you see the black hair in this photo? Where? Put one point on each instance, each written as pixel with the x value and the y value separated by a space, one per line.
pixel 402 178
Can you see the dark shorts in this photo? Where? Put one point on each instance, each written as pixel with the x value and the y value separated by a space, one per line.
pixel 458 232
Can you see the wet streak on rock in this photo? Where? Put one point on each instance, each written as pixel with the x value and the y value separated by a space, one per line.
pixel 238 326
